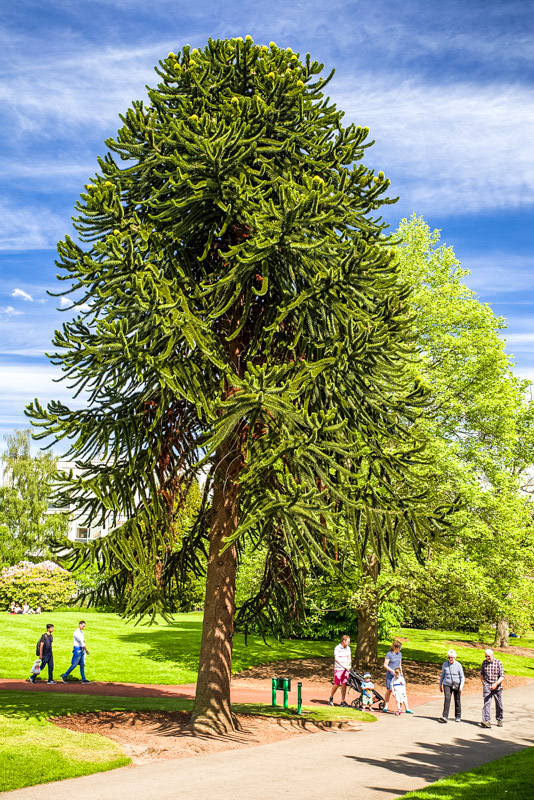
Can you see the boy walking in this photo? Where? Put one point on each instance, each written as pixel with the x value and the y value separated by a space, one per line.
pixel 79 651
pixel 45 654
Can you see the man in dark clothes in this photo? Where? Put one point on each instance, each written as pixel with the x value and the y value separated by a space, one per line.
pixel 45 654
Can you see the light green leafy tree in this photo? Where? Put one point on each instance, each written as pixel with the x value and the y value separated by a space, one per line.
pixel 481 443
pixel 25 526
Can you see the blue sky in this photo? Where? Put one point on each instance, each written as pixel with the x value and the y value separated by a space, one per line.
pixel 446 89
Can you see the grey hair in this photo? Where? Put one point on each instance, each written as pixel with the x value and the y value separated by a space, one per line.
pixel 451 653
pixel 488 652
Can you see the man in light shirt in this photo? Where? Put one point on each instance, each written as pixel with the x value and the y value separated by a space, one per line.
pixel 342 662
pixel 79 651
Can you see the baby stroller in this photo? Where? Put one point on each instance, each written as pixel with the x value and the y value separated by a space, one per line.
pixel 355 682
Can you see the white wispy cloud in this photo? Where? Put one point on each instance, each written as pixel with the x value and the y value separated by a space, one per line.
pixel 66 303
pixel 525 372
pixel 48 174
pixel 452 148
pixel 499 272
pixel 88 85
pixel 520 340
pixel 21 383
pixel 9 311
pixel 22 294
pixel 25 352
pixel 30 227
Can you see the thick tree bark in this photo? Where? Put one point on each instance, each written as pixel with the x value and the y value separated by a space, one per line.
pixel 212 712
pixel 502 632
pixel 367 644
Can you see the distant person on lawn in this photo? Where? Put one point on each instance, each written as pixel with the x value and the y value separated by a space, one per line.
pixel 492 676
pixel 451 683
pixel 45 654
pixel 342 662
pixel 392 661
pixel 79 652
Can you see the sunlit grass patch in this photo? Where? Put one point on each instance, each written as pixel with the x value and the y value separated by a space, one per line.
pixel 508 778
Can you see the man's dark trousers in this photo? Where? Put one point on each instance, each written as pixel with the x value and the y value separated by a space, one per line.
pixel 48 658
pixel 487 694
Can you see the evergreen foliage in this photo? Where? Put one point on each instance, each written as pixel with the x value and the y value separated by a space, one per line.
pixel 247 320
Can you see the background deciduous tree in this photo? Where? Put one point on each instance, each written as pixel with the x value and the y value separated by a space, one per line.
pixel 25 526
pixel 479 434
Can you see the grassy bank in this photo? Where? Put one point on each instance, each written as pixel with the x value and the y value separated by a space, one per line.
pixel 34 750
pixel 508 778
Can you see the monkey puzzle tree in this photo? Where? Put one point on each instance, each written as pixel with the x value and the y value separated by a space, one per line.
pixel 246 321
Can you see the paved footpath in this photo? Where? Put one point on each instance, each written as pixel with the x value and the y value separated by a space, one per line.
pixel 382 760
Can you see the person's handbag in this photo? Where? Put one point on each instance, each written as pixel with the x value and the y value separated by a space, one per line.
pixel 36 669
pixel 454 684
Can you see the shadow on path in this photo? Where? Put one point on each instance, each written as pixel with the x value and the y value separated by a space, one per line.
pixel 433 761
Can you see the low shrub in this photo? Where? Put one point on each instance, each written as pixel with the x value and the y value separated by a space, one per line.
pixel 45 584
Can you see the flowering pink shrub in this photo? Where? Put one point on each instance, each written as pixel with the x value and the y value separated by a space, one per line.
pixel 45 584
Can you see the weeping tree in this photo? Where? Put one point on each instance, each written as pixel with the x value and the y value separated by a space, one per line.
pixel 240 319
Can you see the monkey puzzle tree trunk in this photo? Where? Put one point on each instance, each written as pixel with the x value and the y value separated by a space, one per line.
pixel 367 643
pixel 212 711
pixel 502 633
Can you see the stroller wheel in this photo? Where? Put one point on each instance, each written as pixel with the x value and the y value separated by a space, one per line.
pixel 357 703
pixel 381 705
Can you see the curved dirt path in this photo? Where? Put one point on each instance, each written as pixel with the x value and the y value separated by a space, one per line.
pixel 254 685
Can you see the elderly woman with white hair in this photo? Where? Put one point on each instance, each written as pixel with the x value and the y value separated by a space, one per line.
pixel 451 682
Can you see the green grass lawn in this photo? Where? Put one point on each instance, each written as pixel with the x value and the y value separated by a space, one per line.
pixel 508 778
pixel 33 750
pixel 167 653
pixel 432 646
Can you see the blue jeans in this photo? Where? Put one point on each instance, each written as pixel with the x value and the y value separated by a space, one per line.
pixel 78 658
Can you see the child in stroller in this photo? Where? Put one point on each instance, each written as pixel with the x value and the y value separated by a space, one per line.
pixel 354 682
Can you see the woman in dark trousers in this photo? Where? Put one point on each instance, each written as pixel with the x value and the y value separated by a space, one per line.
pixel 451 683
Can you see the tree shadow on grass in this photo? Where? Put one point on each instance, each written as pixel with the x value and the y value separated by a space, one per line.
pixel 178 642
pixel 42 705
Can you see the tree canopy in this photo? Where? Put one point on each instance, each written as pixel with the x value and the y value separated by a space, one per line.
pixel 246 320
pixel 479 433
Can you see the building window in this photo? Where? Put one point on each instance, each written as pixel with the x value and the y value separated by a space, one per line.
pixel 83 533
